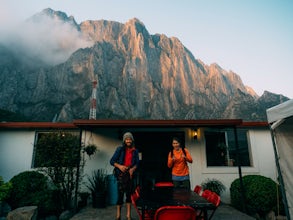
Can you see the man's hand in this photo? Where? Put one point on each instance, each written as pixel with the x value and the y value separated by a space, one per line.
pixel 131 171
pixel 123 168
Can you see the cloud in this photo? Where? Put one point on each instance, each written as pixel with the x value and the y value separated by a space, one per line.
pixel 49 40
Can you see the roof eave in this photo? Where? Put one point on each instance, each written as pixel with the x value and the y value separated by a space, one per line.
pixel 157 123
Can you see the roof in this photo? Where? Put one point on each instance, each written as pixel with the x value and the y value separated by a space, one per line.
pixel 76 124
pixel 35 125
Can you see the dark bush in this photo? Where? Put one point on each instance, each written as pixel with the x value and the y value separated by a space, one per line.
pixel 33 188
pixel 4 189
pixel 260 194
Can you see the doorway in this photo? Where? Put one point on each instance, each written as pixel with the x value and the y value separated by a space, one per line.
pixel 154 148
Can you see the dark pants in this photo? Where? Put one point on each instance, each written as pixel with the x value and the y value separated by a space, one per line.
pixel 125 185
pixel 182 184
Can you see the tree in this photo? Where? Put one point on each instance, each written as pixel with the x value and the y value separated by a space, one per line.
pixel 58 154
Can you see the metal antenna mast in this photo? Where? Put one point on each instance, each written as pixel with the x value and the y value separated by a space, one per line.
pixel 93 108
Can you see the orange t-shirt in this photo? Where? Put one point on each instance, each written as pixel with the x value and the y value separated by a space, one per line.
pixel 179 162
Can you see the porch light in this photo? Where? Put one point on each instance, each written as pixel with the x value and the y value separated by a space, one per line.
pixel 195 134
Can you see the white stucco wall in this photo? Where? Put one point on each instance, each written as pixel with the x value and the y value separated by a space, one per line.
pixel 106 140
pixel 16 151
pixel 263 153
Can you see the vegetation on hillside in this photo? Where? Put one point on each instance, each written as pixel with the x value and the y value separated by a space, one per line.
pixel 11 116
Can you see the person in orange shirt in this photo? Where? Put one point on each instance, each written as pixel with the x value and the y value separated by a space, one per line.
pixel 177 161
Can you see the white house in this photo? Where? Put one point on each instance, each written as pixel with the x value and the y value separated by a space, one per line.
pixel 249 143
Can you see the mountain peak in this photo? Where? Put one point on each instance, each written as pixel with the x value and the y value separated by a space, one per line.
pixel 136 24
pixel 54 15
pixel 138 75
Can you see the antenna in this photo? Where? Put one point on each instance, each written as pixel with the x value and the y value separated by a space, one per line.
pixel 93 107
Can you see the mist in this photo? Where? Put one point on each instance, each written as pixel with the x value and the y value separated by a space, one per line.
pixel 48 40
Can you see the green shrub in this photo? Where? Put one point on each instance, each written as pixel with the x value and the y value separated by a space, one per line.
pixel 4 189
pixel 214 185
pixel 260 194
pixel 33 188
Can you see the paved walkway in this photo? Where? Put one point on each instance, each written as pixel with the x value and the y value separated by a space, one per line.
pixel 224 212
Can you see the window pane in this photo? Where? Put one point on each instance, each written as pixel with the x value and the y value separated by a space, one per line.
pixel 243 149
pixel 215 155
pixel 53 149
pixel 221 147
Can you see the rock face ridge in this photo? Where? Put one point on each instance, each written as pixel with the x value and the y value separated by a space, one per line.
pixel 139 76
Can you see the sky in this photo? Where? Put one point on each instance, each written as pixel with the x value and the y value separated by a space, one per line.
pixel 253 38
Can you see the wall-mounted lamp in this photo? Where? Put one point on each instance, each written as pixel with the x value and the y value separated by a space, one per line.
pixel 195 134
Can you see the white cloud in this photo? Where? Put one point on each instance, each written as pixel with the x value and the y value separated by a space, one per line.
pixel 49 40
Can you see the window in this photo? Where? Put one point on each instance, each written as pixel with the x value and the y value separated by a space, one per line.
pixel 57 148
pixel 221 148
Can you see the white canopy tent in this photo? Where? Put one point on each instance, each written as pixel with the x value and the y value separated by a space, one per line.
pixel 280 118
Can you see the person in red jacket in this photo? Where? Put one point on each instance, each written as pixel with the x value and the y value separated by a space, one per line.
pixel 178 158
pixel 125 160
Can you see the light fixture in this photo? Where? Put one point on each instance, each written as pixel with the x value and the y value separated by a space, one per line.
pixel 195 134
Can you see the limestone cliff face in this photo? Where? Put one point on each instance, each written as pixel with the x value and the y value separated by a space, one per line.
pixel 139 76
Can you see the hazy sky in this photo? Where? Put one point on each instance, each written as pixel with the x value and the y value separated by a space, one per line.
pixel 253 38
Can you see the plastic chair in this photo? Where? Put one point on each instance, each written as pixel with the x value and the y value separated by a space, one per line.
pixel 164 184
pixel 137 190
pixel 216 200
pixel 148 215
pixel 175 213
pixel 213 198
pixel 206 193
pixel 198 189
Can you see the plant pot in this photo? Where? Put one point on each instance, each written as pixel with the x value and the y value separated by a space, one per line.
pixel 83 200
pixel 99 199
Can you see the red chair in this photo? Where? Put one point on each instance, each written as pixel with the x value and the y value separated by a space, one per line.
pixel 198 189
pixel 206 193
pixel 137 190
pixel 164 184
pixel 175 213
pixel 148 215
pixel 213 198
pixel 216 200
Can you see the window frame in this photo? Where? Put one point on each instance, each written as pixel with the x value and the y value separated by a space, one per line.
pixel 227 169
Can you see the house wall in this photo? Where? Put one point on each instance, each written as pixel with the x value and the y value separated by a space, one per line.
pixel 262 160
pixel 106 140
pixel 16 151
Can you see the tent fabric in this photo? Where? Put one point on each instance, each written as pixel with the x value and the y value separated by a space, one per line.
pixel 281 111
pixel 281 119
pixel 284 140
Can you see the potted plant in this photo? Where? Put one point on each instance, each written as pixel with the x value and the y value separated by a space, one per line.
pixel 83 199
pixel 97 184
pixel 90 149
pixel 214 185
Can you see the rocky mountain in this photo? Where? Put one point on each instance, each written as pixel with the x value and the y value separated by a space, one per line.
pixel 139 75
